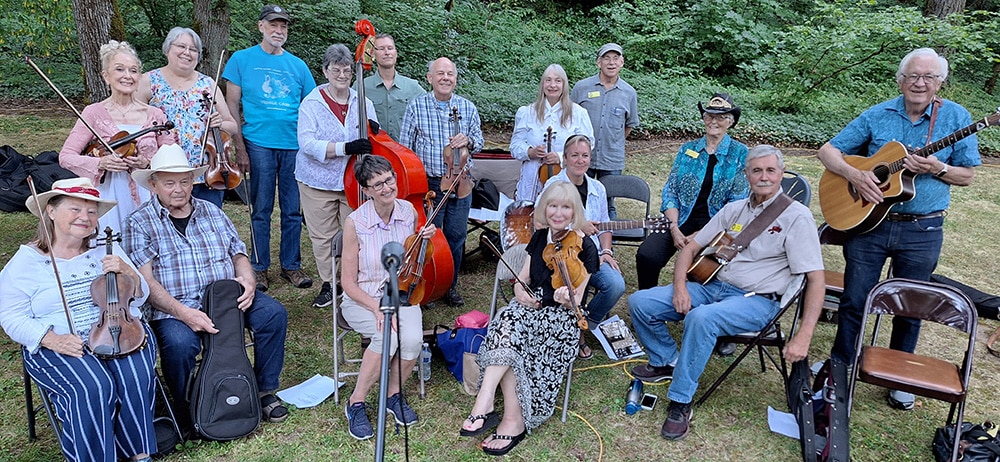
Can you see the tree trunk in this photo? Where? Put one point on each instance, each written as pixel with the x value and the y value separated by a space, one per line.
pixel 942 8
pixel 94 19
pixel 211 21
pixel 991 83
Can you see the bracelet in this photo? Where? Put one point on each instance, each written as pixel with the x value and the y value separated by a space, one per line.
pixel 608 252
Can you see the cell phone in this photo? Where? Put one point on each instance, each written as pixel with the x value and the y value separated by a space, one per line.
pixel 648 401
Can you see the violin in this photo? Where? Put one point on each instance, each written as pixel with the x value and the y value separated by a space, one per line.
pixel 456 160
pixel 412 285
pixel 218 147
pixel 563 257
pixel 547 171
pixel 116 333
pixel 123 142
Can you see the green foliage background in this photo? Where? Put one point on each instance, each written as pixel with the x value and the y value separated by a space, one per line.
pixel 801 69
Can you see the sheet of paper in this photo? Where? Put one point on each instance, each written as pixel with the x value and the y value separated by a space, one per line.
pixel 782 423
pixel 626 338
pixel 309 393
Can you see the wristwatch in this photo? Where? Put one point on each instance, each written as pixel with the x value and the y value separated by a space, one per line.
pixel 941 172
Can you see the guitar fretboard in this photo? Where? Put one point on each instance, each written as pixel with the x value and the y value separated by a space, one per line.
pixel 950 139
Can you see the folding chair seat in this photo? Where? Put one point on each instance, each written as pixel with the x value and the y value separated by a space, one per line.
pixel 918 374
pixel 342 329
pixel 770 336
pixel 628 187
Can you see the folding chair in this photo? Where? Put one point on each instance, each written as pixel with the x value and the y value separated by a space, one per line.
pixel 770 336
pixel 797 187
pixel 628 187
pixel 515 257
pixel 921 375
pixel 341 329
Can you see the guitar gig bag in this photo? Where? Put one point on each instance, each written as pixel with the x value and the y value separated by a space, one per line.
pixel 222 390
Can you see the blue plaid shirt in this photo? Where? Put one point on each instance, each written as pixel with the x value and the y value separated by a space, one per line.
pixel 183 264
pixel 427 126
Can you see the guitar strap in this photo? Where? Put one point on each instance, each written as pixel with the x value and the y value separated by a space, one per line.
pixel 727 253
pixel 934 112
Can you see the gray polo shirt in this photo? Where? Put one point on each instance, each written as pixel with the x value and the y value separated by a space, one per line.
pixel 789 245
pixel 610 112
pixel 390 103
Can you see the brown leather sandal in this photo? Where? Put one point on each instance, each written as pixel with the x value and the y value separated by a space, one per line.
pixel 989 343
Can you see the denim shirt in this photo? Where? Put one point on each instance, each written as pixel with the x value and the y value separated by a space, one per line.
pixel 888 121
pixel 686 175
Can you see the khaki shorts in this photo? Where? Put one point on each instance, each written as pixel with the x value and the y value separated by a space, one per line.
pixel 410 322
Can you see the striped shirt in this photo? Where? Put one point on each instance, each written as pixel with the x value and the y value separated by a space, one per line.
pixel 427 126
pixel 183 264
pixel 373 233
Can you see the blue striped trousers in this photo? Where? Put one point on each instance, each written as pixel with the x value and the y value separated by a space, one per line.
pixel 105 406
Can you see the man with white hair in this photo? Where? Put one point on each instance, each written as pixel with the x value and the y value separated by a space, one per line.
pixel 912 233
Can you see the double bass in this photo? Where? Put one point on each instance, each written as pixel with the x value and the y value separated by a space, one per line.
pixel 411 178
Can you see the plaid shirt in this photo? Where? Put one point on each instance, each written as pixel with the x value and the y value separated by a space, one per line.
pixel 183 264
pixel 427 126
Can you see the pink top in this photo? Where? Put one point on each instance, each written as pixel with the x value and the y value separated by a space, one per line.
pixel 100 119
pixel 373 233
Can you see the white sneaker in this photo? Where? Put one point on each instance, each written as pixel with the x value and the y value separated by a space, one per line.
pixel 901 400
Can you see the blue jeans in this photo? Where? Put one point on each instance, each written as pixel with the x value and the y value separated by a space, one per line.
pixel 610 286
pixel 205 193
pixel 914 248
pixel 718 309
pixel 179 345
pixel 453 220
pixel 268 166
pixel 598 174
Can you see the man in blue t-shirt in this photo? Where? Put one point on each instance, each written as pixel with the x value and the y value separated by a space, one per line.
pixel 912 233
pixel 270 83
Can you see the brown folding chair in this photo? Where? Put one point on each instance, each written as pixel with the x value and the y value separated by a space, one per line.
pixel 921 375
pixel 770 336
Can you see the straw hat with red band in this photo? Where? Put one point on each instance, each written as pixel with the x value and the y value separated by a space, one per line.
pixel 80 188
pixel 169 158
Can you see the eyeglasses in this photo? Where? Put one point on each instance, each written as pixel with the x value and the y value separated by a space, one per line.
pixel 336 71
pixel 928 78
pixel 612 58
pixel 709 117
pixel 185 47
pixel 391 181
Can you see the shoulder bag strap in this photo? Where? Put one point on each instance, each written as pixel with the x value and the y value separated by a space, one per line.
pixel 755 227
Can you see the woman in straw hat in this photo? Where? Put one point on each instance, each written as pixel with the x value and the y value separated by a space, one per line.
pixel 121 69
pixel 105 405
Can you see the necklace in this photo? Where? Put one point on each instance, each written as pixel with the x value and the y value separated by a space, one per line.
pixel 341 108
pixel 123 111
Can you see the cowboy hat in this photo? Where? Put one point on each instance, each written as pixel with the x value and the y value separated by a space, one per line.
pixel 721 103
pixel 168 159
pixel 80 188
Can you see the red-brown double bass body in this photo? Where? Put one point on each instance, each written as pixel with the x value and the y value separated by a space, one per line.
pixel 411 178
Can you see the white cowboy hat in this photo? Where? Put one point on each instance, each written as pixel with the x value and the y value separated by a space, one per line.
pixel 80 188
pixel 170 159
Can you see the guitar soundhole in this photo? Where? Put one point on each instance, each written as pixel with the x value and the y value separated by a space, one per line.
pixel 882 173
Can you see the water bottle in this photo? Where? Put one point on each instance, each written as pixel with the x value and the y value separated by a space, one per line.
pixel 633 398
pixel 425 361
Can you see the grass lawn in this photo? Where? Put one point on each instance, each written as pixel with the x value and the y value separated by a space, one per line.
pixel 730 426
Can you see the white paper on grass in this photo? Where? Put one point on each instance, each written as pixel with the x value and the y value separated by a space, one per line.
pixel 629 338
pixel 782 423
pixel 309 393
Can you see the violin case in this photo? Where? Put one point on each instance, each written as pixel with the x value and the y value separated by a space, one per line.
pixel 222 390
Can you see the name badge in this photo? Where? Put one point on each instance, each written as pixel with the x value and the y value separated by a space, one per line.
pixel 691 153
pixel 737 227
pixel 594 94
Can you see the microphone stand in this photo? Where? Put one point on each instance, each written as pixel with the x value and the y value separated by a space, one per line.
pixel 389 305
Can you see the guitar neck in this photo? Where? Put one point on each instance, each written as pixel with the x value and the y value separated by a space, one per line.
pixel 620 225
pixel 953 138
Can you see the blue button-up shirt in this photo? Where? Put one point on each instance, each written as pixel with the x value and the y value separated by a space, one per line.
pixel 688 173
pixel 427 126
pixel 183 264
pixel 888 121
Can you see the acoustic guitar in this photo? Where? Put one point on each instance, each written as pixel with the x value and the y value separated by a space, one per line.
pixel 845 209
pixel 704 268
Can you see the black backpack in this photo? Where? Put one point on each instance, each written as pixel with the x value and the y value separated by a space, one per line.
pixel 14 170
pixel 823 422
pixel 222 390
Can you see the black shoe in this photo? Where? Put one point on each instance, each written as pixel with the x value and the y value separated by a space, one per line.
pixel 678 422
pixel 325 297
pixel 262 280
pixel 454 298
pixel 648 373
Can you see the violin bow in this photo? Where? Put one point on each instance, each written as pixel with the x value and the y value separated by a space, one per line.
pixel 493 248
pixel 79 116
pixel 211 103
pixel 48 241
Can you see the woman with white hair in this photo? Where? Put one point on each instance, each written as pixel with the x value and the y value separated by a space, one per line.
pixel 553 109
pixel 182 93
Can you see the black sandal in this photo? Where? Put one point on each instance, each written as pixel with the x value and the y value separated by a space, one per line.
pixel 514 440
pixel 585 352
pixel 490 421
pixel 272 409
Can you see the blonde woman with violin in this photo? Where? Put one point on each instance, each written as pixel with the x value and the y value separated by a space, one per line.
pixel 542 127
pixel 85 390
pixel 182 93
pixel 532 342
pixel 378 221
pixel 117 116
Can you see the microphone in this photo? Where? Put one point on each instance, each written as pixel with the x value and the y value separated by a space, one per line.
pixel 392 256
